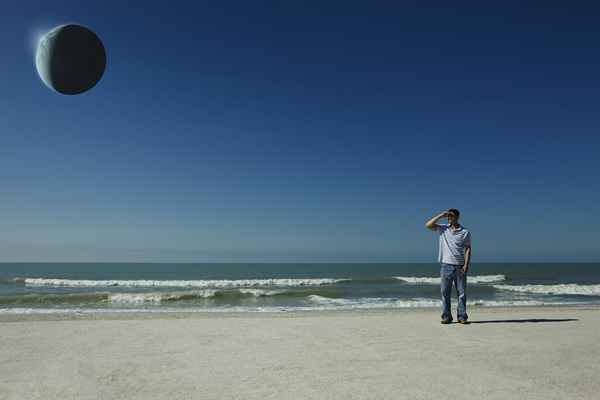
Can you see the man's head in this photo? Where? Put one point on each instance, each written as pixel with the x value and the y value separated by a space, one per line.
pixel 453 216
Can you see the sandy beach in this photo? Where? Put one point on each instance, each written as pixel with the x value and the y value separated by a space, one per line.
pixel 526 353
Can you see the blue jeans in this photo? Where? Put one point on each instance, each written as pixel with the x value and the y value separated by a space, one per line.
pixel 452 273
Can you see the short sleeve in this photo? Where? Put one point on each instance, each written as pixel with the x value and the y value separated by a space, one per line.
pixel 468 240
pixel 441 228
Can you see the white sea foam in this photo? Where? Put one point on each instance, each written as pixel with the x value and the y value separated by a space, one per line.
pixel 24 310
pixel 261 292
pixel 159 297
pixel 140 298
pixel 374 302
pixel 135 298
pixel 382 302
pixel 210 283
pixel 568 288
pixel 320 305
pixel 430 280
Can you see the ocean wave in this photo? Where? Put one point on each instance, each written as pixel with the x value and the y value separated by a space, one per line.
pixel 560 289
pixel 160 297
pixel 436 280
pixel 210 283
pixel 374 302
pixel 263 292
pixel 139 297
pixel 320 305
pixel 53 298
pixel 369 280
pixel 4 280
pixel 382 302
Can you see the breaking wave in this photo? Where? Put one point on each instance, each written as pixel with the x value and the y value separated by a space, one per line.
pixel 436 280
pixel 380 302
pixel 51 298
pixel 320 304
pixel 374 302
pixel 160 297
pixel 143 297
pixel 560 289
pixel 18 281
pixel 209 283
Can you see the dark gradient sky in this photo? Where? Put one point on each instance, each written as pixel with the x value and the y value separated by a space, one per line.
pixel 271 131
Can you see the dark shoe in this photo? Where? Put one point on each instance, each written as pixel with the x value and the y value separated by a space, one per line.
pixel 446 321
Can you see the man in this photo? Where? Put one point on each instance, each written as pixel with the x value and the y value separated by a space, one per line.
pixel 454 256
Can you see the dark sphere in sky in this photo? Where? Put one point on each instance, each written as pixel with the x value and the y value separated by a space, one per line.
pixel 70 59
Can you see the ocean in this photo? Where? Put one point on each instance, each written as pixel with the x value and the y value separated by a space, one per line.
pixel 258 287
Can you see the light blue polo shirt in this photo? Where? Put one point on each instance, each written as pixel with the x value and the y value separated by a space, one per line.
pixel 453 244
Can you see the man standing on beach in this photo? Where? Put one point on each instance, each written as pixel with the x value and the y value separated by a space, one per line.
pixel 454 256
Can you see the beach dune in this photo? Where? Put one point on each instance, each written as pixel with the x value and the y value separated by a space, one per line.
pixel 529 353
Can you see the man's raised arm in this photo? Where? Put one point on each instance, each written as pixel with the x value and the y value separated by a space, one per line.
pixel 432 223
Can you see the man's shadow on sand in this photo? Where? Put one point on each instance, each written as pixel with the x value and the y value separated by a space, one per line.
pixel 522 321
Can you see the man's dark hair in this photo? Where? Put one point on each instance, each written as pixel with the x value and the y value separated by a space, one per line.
pixel 455 212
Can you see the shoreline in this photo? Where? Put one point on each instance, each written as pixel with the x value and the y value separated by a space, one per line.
pixel 90 315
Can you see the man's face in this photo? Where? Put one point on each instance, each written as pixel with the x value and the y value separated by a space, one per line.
pixel 452 218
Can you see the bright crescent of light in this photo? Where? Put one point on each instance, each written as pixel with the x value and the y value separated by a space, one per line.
pixel 41 57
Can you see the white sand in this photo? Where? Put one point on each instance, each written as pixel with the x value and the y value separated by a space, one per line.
pixel 403 354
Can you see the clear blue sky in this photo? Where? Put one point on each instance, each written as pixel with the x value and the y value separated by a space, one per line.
pixel 304 131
